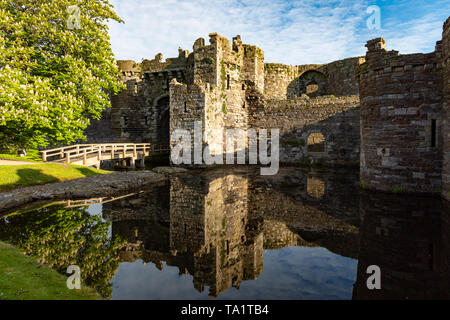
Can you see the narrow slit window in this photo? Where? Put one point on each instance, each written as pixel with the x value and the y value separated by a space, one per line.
pixel 125 121
pixel 185 106
pixel 433 133
pixel 228 247
pixel 146 121
pixel 228 82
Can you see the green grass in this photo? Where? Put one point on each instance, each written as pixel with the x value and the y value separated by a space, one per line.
pixel 23 278
pixel 12 177
pixel 32 156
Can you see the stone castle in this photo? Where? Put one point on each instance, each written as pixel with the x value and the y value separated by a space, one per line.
pixel 386 112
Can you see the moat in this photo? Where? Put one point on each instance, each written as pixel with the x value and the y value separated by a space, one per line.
pixel 233 234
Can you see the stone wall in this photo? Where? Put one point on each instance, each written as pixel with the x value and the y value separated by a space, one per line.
pixel 140 113
pixel 401 144
pixel 446 109
pixel 336 118
pixel 226 85
pixel 223 72
pixel 289 82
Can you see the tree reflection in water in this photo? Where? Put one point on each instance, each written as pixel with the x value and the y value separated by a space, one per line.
pixel 59 237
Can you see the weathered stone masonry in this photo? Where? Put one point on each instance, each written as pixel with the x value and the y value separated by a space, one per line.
pixel 404 139
pixel 446 111
pixel 140 113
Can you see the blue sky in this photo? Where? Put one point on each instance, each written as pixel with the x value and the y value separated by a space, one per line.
pixel 291 32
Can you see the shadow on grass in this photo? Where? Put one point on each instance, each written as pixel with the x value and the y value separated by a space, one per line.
pixel 29 177
pixel 12 177
pixel 87 172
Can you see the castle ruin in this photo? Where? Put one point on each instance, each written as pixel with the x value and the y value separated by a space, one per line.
pixel 386 112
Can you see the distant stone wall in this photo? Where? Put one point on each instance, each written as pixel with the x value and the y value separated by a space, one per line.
pixel 289 82
pixel 100 131
pixel 336 118
pixel 278 78
pixel 140 113
pixel 446 109
pixel 401 117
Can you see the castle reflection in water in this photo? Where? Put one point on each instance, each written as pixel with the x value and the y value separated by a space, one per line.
pixel 217 225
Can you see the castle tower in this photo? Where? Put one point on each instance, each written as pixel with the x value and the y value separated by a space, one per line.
pixel 215 94
pixel 446 109
pixel 401 116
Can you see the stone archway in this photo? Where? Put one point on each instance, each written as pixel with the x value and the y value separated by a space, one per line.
pixel 312 83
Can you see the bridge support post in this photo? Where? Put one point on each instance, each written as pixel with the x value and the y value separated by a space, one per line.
pixel 140 163
pixel 133 163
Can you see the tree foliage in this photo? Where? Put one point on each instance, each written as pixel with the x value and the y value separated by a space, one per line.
pixel 54 77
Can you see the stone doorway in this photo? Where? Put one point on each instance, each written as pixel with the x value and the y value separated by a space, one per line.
pixel 163 120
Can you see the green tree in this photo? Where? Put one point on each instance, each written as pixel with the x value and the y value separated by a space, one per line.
pixel 56 71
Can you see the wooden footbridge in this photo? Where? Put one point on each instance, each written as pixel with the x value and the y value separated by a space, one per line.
pixel 130 154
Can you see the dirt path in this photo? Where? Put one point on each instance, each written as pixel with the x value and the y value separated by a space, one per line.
pixel 15 162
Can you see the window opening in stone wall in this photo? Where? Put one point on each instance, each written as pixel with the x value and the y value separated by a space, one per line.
pixel 185 106
pixel 228 82
pixel 316 143
pixel 135 88
pixel 433 133
pixel 228 246
pixel 147 122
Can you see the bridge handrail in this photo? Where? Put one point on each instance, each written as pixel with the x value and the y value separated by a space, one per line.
pixel 86 149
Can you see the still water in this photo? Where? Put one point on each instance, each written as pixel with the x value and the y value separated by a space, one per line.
pixel 233 234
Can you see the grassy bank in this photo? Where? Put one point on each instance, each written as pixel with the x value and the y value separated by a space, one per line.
pixel 12 177
pixel 32 156
pixel 23 278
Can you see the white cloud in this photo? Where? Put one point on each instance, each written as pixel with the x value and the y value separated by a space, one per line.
pixel 419 35
pixel 296 32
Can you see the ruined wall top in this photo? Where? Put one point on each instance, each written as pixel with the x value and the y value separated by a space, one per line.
pixel 157 64
pixel 128 65
pixel 447 24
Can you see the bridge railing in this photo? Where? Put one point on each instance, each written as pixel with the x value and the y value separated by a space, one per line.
pixel 86 151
